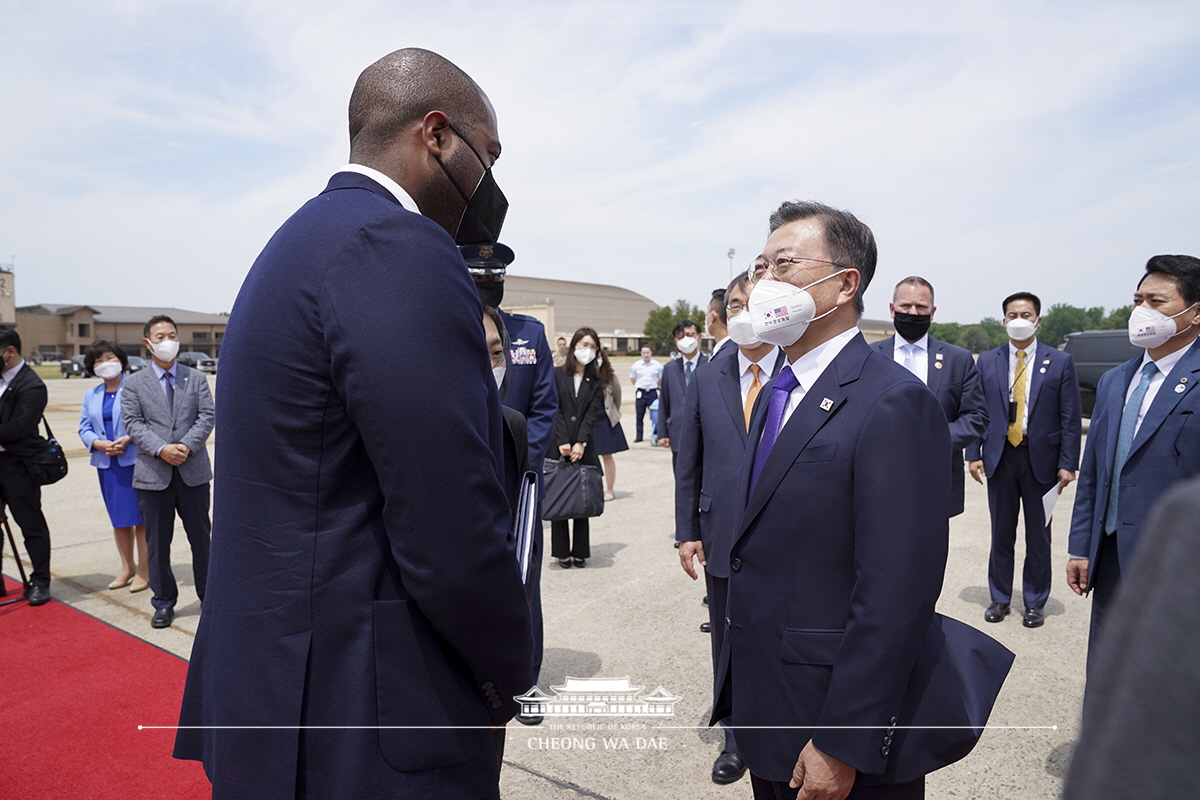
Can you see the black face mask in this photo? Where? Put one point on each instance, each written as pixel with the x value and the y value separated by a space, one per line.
pixel 491 293
pixel 912 326
pixel 484 215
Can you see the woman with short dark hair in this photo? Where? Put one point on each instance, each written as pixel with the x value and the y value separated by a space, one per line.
pixel 113 456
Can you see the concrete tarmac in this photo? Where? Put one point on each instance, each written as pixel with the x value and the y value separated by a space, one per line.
pixel 633 613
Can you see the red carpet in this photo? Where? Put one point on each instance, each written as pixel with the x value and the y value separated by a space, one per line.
pixel 73 691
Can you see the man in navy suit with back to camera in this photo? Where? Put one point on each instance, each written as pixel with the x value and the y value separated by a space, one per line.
pixel 1144 434
pixel 712 440
pixel 832 650
pixel 1031 445
pixel 364 597
pixel 948 370
pixel 677 376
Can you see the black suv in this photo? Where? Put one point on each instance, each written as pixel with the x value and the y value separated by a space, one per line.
pixel 73 367
pixel 198 360
pixel 1095 353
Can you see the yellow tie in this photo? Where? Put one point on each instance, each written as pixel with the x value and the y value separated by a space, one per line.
pixel 755 388
pixel 1016 429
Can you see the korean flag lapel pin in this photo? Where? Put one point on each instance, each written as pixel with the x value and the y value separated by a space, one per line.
pixel 826 404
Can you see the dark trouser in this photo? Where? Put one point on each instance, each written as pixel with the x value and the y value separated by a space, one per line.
pixel 560 539
pixel 771 790
pixel 1104 576
pixel 1011 488
pixel 158 510
pixel 645 399
pixel 718 595
pixel 24 500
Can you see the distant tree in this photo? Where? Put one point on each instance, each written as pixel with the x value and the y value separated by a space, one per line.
pixel 985 335
pixel 660 323
pixel 1062 319
pixel 1116 320
pixel 945 331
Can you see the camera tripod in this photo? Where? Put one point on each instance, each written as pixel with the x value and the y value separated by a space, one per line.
pixel 16 557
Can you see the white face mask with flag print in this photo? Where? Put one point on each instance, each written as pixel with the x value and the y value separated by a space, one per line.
pixel 1149 328
pixel 781 312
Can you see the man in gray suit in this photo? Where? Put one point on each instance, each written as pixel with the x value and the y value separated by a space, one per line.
pixel 168 411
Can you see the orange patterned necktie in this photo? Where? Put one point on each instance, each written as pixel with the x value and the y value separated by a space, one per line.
pixel 755 388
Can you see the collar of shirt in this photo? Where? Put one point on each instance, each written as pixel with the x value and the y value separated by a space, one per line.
pixel 396 191
pixel 764 364
pixel 11 373
pixel 808 367
pixel 1029 352
pixel 901 342
pixel 690 359
pixel 1164 364
pixel 159 371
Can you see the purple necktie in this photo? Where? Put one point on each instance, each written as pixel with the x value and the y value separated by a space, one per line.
pixel 780 391
pixel 169 388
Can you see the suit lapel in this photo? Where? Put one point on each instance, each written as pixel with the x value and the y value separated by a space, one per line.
pixel 809 417
pixel 731 390
pixel 154 395
pixel 933 374
pixel 1036 370
pixel 998 363
pixel 1184 374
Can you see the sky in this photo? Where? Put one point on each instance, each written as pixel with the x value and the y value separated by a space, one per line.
pixel 149 150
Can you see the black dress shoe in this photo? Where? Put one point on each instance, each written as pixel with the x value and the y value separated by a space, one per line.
pixel 706 627
pixel 1034 618
pixel 162 618
pixel 728 768
pixel 564 564
pixel 529 720
pixel 996 612
pixel 38 595
pixel 704 602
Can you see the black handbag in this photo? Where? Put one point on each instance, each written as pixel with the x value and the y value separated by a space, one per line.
pixel 47 463
pixel 573 490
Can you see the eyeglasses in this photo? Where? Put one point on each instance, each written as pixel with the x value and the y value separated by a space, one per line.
pixel 781 268
pixel 735 308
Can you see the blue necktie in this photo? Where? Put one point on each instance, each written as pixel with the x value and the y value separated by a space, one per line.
pixel 1124 442
pixel 687 374
pixel 780 391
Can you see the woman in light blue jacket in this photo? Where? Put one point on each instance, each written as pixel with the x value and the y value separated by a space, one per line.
pixel 113 455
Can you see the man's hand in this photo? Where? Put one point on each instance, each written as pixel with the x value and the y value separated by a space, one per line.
pixel 688 551
pixel 976 470
pixel 664 442
pixel 1065 476
pixel 821 777
pixel 1077 575
pixel 564 450
pixel 175 454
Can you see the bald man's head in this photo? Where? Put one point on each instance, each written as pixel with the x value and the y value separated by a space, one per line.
pixel 400 89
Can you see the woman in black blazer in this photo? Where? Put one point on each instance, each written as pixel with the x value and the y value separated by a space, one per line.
pixel 580 403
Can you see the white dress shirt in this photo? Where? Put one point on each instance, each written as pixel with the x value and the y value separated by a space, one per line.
pixel 1164 364
pixel 747 377
pixel 920 355
pixel 808 367
pixel 1030 368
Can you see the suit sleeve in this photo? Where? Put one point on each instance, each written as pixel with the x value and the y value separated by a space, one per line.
pixel 87 431
pixel 1085 512
pixel 197 435
pixel 664 405
pixel 135 421
pixel 974 450
pixel 28 407
pixel 437 451
pixel 901 536
pixel 967 429
pixel 560 435
pixel 594 411
pixel 689 470
pixel 543 405
pixel 1070 408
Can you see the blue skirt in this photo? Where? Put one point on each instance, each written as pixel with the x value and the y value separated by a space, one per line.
pixel 120 498
pixel 608 439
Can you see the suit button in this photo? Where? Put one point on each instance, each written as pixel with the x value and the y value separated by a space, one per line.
pixel 728 622
pixel 488 685
pixel 736 564
pixel 887 739
pixel 883 751
pixel 496 704
pixel 893 721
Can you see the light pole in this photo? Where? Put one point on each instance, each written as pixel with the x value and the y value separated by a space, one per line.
pixel 730 255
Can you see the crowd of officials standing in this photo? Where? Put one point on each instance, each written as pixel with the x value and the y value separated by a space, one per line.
pixel 364 541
